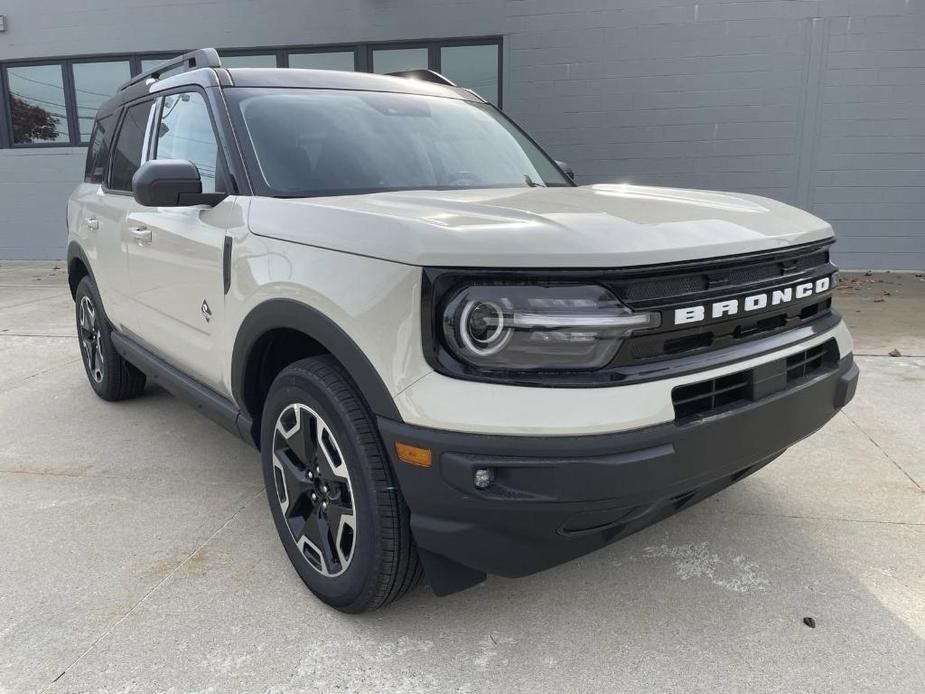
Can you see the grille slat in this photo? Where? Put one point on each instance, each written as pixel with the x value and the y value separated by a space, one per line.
pixel 705 398
pixel 733 277
pixel 799 365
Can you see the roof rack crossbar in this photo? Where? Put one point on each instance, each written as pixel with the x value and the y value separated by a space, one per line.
pixel 203 57
pixel 424 76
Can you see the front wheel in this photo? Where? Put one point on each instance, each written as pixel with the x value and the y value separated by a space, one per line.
pixel 334 499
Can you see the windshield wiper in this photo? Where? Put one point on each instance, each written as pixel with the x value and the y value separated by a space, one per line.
pixel 530 182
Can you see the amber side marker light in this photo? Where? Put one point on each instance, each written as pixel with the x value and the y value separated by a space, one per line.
pixel 413 455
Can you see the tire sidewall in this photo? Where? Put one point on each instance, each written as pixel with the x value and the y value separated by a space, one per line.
pixel 86 288
pixel 357 582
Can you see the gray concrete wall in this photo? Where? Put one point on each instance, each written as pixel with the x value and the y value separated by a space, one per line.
pixel 34 185
pixel 817 103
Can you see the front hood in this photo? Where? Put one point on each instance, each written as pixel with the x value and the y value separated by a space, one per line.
pixel 588 226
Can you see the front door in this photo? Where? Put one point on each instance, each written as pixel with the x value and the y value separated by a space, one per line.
pixel 175 254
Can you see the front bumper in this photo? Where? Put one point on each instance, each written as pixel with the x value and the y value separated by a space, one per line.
pixel 557 498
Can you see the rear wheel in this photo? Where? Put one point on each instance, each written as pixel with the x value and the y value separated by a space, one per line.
pixel 110 376
pixel 334 500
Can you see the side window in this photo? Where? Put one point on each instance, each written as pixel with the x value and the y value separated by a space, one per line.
pixel 129 150
pixel 185 132
pixel 98 152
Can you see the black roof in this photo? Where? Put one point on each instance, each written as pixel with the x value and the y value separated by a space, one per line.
pixel 336 79
pixel 204 70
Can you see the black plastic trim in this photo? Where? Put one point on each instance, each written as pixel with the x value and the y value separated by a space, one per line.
pixel 286 313
pixel 216 407
pixel 226 263
pixel 76 252
pixel 555 498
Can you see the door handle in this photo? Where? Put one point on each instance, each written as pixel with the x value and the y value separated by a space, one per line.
pixel 92 223
pixel 142 235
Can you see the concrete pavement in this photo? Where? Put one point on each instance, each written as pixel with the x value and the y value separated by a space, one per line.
pixel 137 553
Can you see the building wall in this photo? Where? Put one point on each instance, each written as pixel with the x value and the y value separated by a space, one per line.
pixel 819 103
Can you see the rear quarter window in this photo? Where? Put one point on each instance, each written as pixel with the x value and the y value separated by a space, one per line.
pixel 98 151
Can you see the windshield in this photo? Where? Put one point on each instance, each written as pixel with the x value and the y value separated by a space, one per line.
pixel 314 142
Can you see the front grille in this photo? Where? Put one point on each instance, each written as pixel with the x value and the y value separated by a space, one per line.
pixel 706 282
pixel 715 395
pixel 715 275
pixel 678 344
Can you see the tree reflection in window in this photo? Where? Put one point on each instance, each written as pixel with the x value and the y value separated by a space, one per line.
pixel 31 123
pixel 37 104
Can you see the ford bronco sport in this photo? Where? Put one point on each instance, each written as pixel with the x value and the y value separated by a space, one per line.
pixel 453 360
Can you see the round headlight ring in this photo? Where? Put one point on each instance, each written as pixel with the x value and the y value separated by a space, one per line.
pixel 496 339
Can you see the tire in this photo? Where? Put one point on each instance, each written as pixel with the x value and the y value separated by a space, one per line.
pixel 110 376
pixel 335 502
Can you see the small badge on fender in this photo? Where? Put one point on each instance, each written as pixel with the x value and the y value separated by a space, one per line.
pixel 206 311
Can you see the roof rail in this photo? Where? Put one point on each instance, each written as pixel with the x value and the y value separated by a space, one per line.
pixel 203 57
pixel 424 76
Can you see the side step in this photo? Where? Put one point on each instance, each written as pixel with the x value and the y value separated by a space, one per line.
pixel 213 405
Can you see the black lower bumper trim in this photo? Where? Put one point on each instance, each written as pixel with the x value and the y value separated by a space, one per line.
pixel 556 498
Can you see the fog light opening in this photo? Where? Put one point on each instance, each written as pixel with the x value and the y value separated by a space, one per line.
pixel 484 478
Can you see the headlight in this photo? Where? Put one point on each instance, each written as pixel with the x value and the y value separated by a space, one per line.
pixel 538 327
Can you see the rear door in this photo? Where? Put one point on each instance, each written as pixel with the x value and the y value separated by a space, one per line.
pixel 175 254
pixel 106 198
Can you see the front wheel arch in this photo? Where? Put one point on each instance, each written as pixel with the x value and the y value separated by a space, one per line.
pixel 321 335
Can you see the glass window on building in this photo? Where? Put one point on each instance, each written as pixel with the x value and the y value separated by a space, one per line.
pixel 473 67
pixel 263 60
pixel 37 108
pixel 94 83
pixel 185 132
pixel 329 60
pixel 398 59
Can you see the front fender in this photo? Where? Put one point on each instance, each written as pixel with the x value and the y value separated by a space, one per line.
pixel 287 313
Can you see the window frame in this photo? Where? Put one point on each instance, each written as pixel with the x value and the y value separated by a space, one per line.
pixel 359 57
pixel 88 170
pixel 151 154
pixel 405 45
pixel 73 90
pixel 363 62
pixel 437 60
pixel 6 125
pixel 233 53
pixel 146 151
pixel 69 108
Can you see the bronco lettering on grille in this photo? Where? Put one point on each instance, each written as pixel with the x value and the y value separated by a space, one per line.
pixel 751 302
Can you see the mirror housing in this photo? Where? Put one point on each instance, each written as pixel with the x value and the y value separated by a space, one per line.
pixel 171 183
pixel 566 169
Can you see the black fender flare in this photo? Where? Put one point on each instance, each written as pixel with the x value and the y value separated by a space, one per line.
pixel 287 313
pixel 76 252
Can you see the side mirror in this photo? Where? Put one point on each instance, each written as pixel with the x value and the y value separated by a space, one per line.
pixel 566 169
pixel 171 183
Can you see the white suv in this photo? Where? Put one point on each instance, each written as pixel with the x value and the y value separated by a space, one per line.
pixel 453 360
